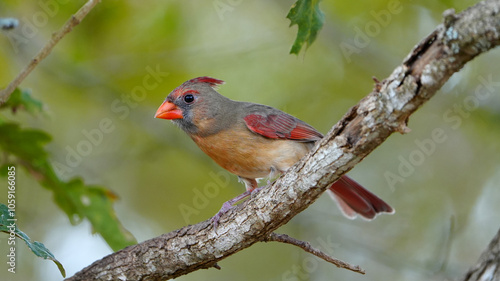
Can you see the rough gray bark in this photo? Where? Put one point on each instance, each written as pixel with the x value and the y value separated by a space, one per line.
pixel 488 265
pixel 385 110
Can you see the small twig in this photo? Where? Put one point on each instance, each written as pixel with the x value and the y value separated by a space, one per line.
pixel 306 246
pixel 45 51
pixel 216 266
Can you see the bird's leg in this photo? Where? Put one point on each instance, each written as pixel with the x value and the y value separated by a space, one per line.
pixel 257 189
pixel 228 205
pixel 250 185
pixel 254 191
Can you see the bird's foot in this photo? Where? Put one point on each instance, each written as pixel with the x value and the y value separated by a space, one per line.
pixel 225 207
pixel 256 190
pixel 228 206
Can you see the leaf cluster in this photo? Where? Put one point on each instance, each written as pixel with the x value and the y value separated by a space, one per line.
pixel 25 147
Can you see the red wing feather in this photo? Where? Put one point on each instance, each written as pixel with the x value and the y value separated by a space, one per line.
pixel 281 126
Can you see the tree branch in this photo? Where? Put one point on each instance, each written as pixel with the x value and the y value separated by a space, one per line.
pixel 384 111
pixel 45 51
pixel 306 246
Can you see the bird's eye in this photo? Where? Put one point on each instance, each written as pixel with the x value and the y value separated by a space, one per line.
pixel 188 98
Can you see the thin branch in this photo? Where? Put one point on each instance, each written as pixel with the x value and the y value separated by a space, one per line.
pixel 306 246
pixel 45 51
pixel 384 111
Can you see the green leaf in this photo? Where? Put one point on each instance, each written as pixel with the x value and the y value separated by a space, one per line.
pixel 309 18
pixel 22 99
pixel 77 200
pixel 9 226
pixel 96 204
pixel 26 144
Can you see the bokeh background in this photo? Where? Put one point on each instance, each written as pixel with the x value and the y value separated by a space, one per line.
pixel 446 195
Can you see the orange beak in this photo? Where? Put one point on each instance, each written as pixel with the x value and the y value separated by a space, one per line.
pixel 168 110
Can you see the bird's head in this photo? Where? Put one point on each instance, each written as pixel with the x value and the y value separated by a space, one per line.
pixel 193 104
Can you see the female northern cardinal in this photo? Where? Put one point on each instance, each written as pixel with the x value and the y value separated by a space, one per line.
pixel 254 141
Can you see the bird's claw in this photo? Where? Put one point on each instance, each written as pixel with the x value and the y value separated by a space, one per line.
pixel 230 204
pixel 257 190
pixel 225 207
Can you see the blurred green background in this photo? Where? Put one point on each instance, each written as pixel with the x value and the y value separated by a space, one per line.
pixel 446 201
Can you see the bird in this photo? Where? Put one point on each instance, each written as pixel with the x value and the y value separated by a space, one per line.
pixel 255 141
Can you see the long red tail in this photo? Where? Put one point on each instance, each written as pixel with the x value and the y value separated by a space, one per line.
pixel 353 199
